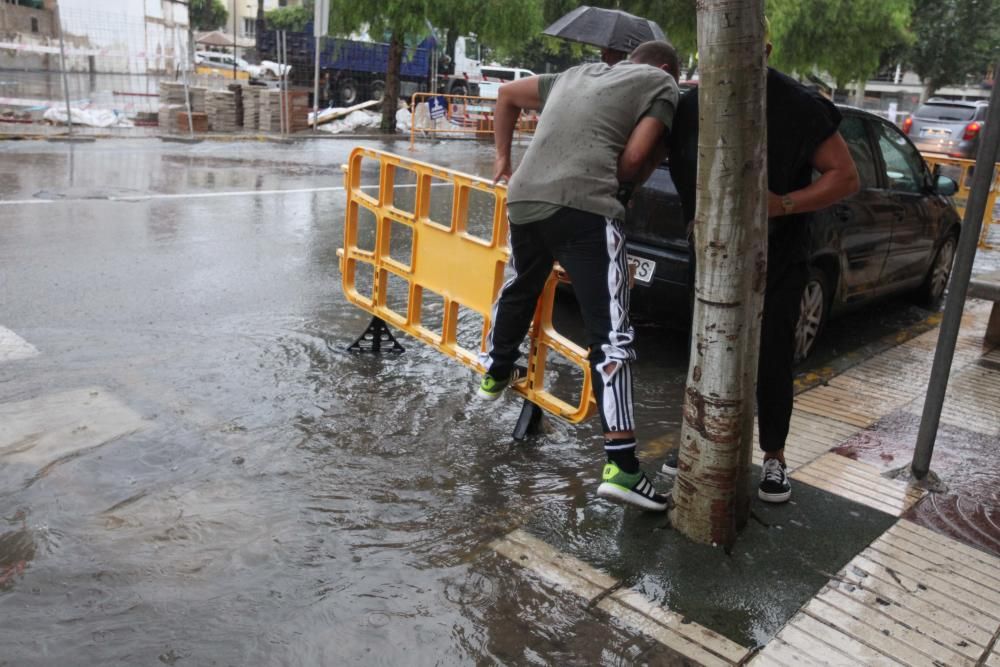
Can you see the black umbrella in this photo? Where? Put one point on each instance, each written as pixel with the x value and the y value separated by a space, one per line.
pixel 607 28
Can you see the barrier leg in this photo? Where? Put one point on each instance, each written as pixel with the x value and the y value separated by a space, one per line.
pixel 374 336
pixel 528 421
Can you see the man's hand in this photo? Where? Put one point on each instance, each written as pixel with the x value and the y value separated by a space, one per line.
pixel 774 206
pixel 501 169
pixel 511 99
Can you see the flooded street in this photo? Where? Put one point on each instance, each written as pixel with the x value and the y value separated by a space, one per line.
pixel 245 491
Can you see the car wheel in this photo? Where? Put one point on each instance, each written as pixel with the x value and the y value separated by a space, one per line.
pixel 459 89
pixel 348 92
pixel 932 291
pixel 377 91
pixel 813 313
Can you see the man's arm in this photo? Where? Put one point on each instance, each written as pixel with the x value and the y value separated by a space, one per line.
pixel 511 99
pixel 838 179
pixel 645 149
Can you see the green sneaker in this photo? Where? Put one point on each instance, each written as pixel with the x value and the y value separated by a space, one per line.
pixel 490 388
pixel 632 489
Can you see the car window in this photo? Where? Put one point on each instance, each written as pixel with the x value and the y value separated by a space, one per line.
pixel 904 168
pixel 945 112
pixel 852 129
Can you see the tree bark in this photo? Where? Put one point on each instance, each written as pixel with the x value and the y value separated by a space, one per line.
pixel 391 99
pixel 930 87
pixel 711 495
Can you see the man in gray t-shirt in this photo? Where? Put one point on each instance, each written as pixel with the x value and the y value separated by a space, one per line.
pixel 603 129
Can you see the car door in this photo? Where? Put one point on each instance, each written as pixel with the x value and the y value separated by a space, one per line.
pixel 906 180
pixel 860 225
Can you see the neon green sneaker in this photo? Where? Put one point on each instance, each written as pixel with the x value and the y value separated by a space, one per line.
pixel 490 388
pixel 631 489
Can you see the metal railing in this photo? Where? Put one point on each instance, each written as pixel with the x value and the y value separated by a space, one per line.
pixel 414 258
pixel 459 116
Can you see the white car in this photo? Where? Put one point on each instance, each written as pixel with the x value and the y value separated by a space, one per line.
pixel 224 61
pixel 494 77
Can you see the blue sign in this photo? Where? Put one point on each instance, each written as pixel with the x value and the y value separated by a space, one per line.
pixel 438 106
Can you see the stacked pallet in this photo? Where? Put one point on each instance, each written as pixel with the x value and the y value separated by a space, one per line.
pixel 220 107
pixel 298 110
pixel 172 103
pixel 269 111
pixel 251 106
pixel 237 90
pixel 199 121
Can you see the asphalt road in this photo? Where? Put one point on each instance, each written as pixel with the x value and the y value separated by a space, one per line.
pixel 192 468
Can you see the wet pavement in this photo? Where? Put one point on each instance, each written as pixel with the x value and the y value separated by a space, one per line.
pixel 194 471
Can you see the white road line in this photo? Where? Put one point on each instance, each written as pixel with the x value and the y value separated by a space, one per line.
pixel 199 195
pixel 13 347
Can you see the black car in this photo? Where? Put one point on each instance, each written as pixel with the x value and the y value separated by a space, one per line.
pixel 898 233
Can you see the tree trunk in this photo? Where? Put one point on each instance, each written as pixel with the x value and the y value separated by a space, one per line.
pixel 929 89
pixel 711 495
pixel 859 94
pixel 391 100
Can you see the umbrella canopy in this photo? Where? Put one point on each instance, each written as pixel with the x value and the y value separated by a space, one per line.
pixel 607 28
pixel 214 38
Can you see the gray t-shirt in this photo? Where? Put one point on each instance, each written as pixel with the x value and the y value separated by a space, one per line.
pixel 589 114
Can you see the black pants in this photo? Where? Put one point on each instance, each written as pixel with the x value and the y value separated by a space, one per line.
pixel 591 249
pixel 776 363
pixel 776 359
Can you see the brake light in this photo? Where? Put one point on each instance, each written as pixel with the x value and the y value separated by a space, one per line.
pixel 971 130
pixel 907 124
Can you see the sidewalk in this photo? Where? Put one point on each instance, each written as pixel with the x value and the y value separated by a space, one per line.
pixel 859 568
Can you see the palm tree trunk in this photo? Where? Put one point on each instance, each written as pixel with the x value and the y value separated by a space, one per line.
pixel 711 494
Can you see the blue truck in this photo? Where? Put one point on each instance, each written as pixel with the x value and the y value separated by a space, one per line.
pixel 353 71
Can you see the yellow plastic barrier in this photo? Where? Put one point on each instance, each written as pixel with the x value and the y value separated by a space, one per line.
pixel 463 115
pixel 964 168
pixel 413 261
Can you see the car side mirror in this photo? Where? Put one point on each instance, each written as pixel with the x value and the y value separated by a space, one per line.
pixel 945 186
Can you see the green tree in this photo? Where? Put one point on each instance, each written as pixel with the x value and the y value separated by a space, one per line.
pixel 208 14
pixel 845 38
pixel 292 19
pixel 498 22
pixel 955 39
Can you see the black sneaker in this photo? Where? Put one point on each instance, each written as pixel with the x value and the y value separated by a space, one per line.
pixel 774 485
pixel 670 465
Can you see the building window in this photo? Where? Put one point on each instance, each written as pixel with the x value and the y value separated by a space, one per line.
pixel 34 24
pixel 249 26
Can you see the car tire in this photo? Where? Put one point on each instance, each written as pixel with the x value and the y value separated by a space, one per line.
pixel 348 92
pixel 377 91
pixel 459 89
pixel 931 293
pixel 814 307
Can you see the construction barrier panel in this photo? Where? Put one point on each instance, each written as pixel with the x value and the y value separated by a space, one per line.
pixel 460 116
pixel 414 257
pixel 961 169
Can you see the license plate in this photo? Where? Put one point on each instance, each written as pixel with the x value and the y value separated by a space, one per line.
pixel 935 132
pixel 642 269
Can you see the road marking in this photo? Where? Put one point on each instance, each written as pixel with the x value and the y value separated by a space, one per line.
pixel 13 347
pixel 626 605
pixel 203 195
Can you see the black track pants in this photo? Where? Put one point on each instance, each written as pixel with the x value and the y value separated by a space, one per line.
pixel 591 249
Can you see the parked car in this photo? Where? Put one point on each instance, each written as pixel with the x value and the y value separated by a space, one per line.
pixel 898 233
pixel 495 76
pixel 947 126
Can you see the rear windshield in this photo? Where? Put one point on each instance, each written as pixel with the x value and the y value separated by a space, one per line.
pixel 945 112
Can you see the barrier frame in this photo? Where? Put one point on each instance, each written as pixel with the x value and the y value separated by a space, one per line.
pixel 964 184
pixel 483 123
pixel 433 247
